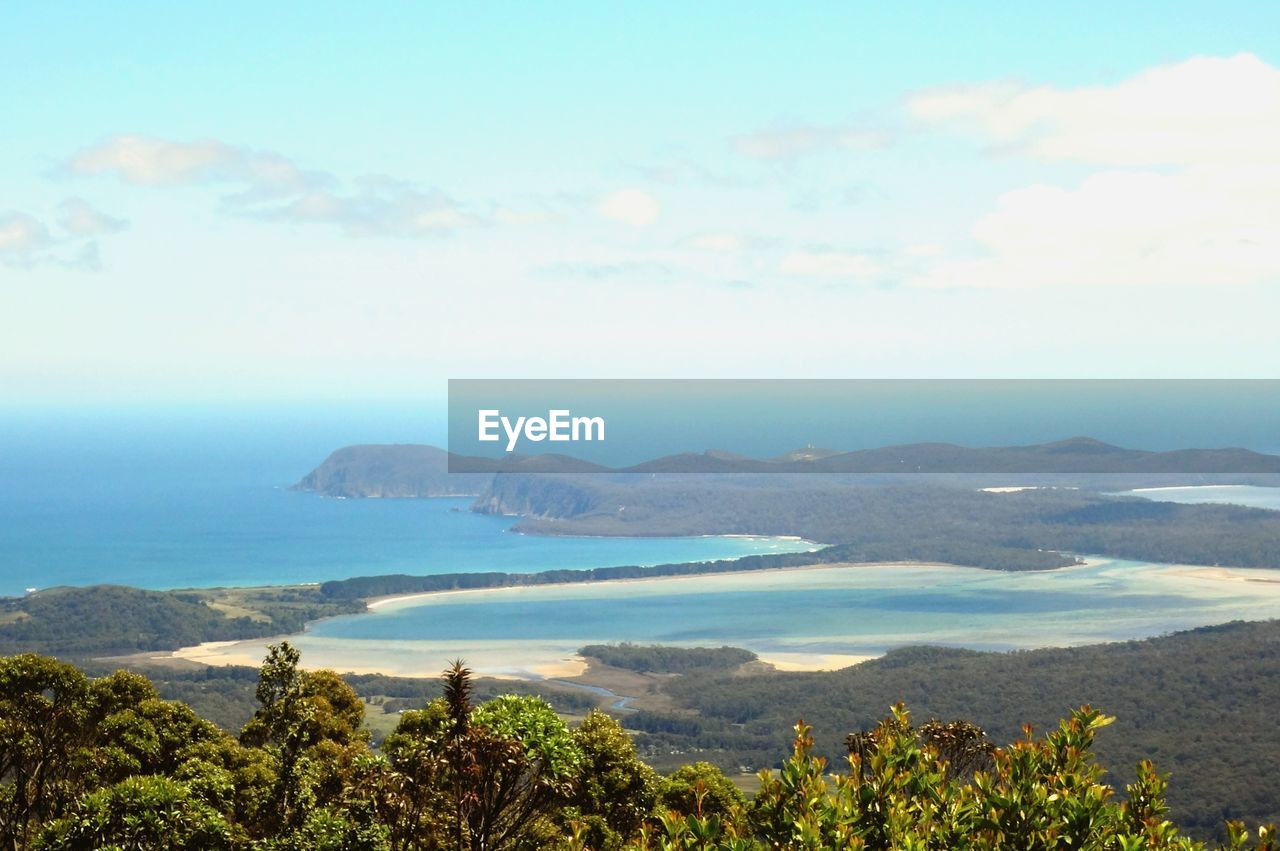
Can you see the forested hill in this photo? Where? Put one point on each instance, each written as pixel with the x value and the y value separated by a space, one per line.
pixel 895 522
pixel 412 470
pixel 97 620
pixel 883 516
pixel 1200 703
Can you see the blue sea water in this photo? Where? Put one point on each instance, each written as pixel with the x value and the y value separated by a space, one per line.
pixel 200 498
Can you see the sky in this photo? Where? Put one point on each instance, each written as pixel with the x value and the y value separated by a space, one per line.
pixel 235 201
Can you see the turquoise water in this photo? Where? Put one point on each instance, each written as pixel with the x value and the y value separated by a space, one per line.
pixel 201 499
pixel 858 611
pixel 1253 497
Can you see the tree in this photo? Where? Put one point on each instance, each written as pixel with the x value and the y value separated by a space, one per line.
pixel 963 747
pixel 46 743
pixel 310 723
pixel 615 791
pixel 330 829
pixel 415 791
pixel 155 813
pixel 499 771
pixel 700 787
pixel 522 764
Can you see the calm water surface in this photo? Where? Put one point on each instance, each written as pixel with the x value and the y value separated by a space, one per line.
pixel 190 499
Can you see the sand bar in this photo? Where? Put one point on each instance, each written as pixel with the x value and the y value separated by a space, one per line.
pixel 1219 589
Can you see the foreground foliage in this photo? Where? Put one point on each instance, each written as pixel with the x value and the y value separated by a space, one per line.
pixel 900 792
pixel 1198 703
pixel 106 764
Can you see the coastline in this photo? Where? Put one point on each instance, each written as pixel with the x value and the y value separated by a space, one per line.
pixel 499 658
pixel 555 656
pixel 398 600
pixel 1187 488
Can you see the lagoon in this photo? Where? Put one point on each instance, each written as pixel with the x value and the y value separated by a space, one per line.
pixel 801 617
pixel 1246 495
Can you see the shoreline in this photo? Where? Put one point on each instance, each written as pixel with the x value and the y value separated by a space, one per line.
pixel 550 658
pixel 373 603
pixel 220 652
pixel 813 546
pixel 1188 488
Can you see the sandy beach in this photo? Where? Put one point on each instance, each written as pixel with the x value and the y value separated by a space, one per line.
pixel 553 656
pixel 1225 574
pixel 400 600
pixel 520 660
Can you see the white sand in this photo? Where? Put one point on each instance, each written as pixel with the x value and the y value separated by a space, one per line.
pixel 1223 588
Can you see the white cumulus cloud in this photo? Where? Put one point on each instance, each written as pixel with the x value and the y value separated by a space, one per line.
pixel 21 236
pixel 26 242
pixel 78 217
pixel 150 161
pixel 1188 191
pixel 1203 110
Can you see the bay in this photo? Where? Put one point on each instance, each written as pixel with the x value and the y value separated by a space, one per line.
pixel 200 498
pixel 805 617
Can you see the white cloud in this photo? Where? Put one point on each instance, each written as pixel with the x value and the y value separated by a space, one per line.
pixel 79 218
pixel 380 208
pixel 27 243
pixel 787 143
pixel 1128 228
pixel 149 161
pixel 269 186
pixel 1204 110
pixel 829 264
pixel 1189 194
pixel 633 207
pixel 21 237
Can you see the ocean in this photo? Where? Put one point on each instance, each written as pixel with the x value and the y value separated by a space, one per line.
pixel 200 498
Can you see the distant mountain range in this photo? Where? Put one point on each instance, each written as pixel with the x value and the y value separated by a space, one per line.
pixel 411 470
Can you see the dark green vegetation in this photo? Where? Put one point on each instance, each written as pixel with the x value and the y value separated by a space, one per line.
pixel 362 587
pixel 1078 455
pixel 897 522
pixel 106 764
pixel 112 619
pixel 1202 704
pixel 1199 703
pixel 225 694
pixel 676 660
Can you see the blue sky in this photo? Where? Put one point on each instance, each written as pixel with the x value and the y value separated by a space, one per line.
pixel 304 201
